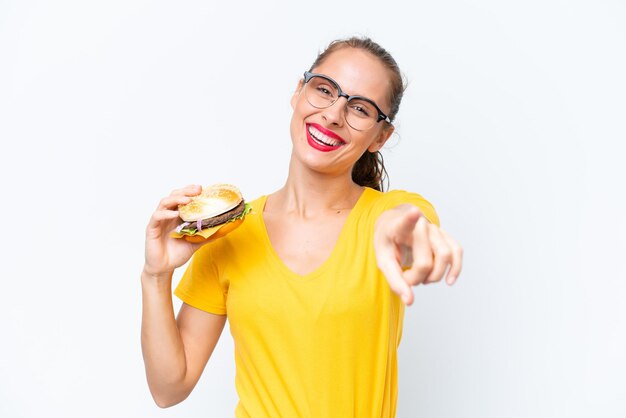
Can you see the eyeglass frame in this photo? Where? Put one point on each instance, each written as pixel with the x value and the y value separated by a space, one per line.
pixel 340 93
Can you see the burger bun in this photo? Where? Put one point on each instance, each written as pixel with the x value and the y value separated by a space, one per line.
pixel 214 200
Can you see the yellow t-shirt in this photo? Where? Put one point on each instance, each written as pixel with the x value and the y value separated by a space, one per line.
pixel 320 345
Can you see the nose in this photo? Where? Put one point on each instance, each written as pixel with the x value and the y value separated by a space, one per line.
pixel 335 113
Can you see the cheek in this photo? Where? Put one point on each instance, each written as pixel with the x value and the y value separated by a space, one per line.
pixel 294 101
pixel 365 141
pixel 293 127
pixel 299 104
pixel 297 120
pixel 301 110
pixel 296 107
pixel 297 100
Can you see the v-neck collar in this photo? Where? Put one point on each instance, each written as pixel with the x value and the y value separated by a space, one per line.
pixel 339 244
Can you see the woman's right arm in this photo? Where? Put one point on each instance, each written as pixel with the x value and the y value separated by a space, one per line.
pixel 175 351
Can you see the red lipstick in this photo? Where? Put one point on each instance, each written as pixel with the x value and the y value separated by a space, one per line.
pixel 318 144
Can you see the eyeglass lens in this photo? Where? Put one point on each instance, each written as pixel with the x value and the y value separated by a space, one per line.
pixel 322 93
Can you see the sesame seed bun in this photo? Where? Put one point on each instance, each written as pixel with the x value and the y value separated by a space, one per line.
pixel 214 200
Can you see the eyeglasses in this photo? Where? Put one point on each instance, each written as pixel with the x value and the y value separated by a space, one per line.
pixel 322 92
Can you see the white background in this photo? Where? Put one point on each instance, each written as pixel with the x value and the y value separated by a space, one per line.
pixel 513 126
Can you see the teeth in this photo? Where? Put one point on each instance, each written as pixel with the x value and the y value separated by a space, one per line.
pixel 324 139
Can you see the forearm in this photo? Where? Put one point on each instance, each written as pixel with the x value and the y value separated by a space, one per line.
pixel 161 342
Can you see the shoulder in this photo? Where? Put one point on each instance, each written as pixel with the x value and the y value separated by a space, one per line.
pixel 382 201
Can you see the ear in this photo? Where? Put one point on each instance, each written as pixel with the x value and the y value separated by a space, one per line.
pixel 296 94
pixel 382 138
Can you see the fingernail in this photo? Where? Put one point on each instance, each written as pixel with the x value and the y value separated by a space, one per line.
pixel 451 280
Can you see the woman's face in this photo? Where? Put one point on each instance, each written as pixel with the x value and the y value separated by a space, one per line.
pixel 322 140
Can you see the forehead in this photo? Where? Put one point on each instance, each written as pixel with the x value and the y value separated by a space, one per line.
pixel 358 73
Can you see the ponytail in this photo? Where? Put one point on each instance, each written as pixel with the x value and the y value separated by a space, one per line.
pixel 369 171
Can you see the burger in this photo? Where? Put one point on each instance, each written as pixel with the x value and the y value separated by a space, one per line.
pixel 215 212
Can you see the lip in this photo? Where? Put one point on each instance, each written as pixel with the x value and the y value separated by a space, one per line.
pixel 317 145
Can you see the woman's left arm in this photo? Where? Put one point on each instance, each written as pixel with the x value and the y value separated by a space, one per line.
pixel 411 251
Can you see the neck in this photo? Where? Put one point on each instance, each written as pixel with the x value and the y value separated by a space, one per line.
pixel 307 193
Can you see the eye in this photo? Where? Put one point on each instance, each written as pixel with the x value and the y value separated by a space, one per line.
pixel 325 90
pixel 361 109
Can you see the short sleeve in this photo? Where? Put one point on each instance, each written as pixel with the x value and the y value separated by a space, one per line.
pixel 394 198
pixel 200 285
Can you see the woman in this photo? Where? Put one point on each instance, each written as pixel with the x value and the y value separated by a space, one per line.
pixel 313 282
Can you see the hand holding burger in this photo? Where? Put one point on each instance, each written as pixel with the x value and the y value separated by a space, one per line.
pixel 216 207
pixel 215 212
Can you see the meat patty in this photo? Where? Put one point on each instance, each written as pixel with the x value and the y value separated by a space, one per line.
pixel 224 217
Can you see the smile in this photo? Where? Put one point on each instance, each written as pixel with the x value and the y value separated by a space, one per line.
pixel 323 141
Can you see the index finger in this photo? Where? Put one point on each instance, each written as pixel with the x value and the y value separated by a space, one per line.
pixel 390 267
pixel 189 190
pixel 422 264
pixel 172 201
